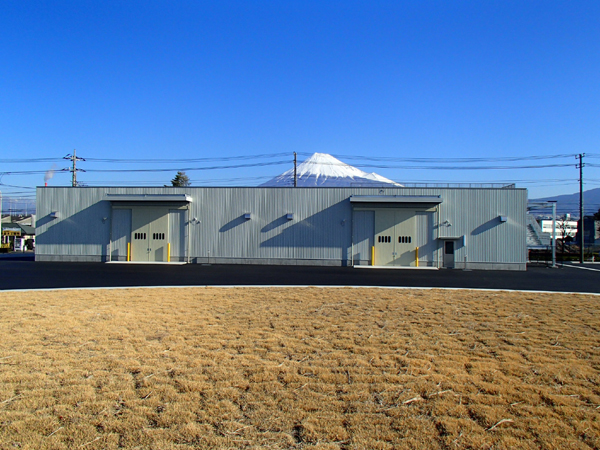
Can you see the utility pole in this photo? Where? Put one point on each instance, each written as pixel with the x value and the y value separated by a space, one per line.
pixel 553 234
pixel 295 171
pixel 74 169
pixel 581 237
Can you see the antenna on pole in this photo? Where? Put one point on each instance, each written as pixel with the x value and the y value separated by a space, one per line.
pixel 74 169
pixel 580 227
pixel 295 171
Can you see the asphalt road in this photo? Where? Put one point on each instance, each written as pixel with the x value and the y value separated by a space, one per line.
pixel 21 272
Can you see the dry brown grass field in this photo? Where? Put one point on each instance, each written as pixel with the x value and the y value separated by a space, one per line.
pixel 298 368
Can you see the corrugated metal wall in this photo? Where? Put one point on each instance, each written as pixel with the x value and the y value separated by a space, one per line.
pixel 426 241
pixel 177 235
pixel 120 235
pixel 82 228
pixel 364 231
pixel 320 231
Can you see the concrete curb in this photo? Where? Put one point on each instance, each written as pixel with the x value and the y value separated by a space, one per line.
pixel 406 288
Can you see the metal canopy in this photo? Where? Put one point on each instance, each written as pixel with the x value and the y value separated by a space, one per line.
pixel 401 199
pixel 185 198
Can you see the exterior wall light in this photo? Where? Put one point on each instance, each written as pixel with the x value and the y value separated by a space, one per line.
pixel 247 216
pixel 503 218
pixel 289 216
pixel 55 215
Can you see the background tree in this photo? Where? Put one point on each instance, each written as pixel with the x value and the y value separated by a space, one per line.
pixel 181 180
pixel 564 232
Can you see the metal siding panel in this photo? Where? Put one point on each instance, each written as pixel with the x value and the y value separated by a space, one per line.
pixel 425 238
pixel 120 235
pixel 82 229
pixel 177 234
pixel 364 231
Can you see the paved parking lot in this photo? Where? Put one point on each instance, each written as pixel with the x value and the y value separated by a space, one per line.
pixel 21 272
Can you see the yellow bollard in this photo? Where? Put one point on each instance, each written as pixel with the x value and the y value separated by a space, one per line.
pixel 169 252
pixel 417 256
pixel 129 251
pixel 373 255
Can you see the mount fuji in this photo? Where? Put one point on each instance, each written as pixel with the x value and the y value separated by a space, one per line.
pixel 323 170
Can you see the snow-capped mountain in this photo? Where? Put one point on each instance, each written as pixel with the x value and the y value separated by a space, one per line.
pixel 323 170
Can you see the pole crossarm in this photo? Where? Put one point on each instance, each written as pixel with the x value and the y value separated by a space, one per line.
pixel 74 158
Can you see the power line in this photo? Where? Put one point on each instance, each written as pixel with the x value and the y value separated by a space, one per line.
pixel 453 160
pixel 541 166
pixel 188 160
pixel 278 163
pixel 284 154
pixel 13 186
pixel 189 169
pixel 28 160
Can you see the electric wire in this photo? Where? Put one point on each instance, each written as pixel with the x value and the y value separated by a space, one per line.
pixel 260 160
pixel 278 163
pixel 188 160
pixel 284 154
pixel 454 160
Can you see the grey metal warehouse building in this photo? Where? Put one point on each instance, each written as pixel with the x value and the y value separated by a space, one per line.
pixel 398 226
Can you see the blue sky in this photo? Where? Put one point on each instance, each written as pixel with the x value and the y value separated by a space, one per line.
pixel 182 80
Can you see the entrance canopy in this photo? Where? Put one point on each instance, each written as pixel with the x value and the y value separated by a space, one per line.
pixel 185 198
pixel 397 201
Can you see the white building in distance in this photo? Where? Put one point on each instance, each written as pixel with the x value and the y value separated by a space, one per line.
pixel 564 228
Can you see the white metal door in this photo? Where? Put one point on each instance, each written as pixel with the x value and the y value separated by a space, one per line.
pixel 404 231
pixel 449 254
pixel 385 250
pixel 150 234
pixel 395 237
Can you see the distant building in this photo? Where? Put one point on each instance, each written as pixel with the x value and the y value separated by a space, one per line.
pixel 564 228
pixel 591 231
pixel 12 231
